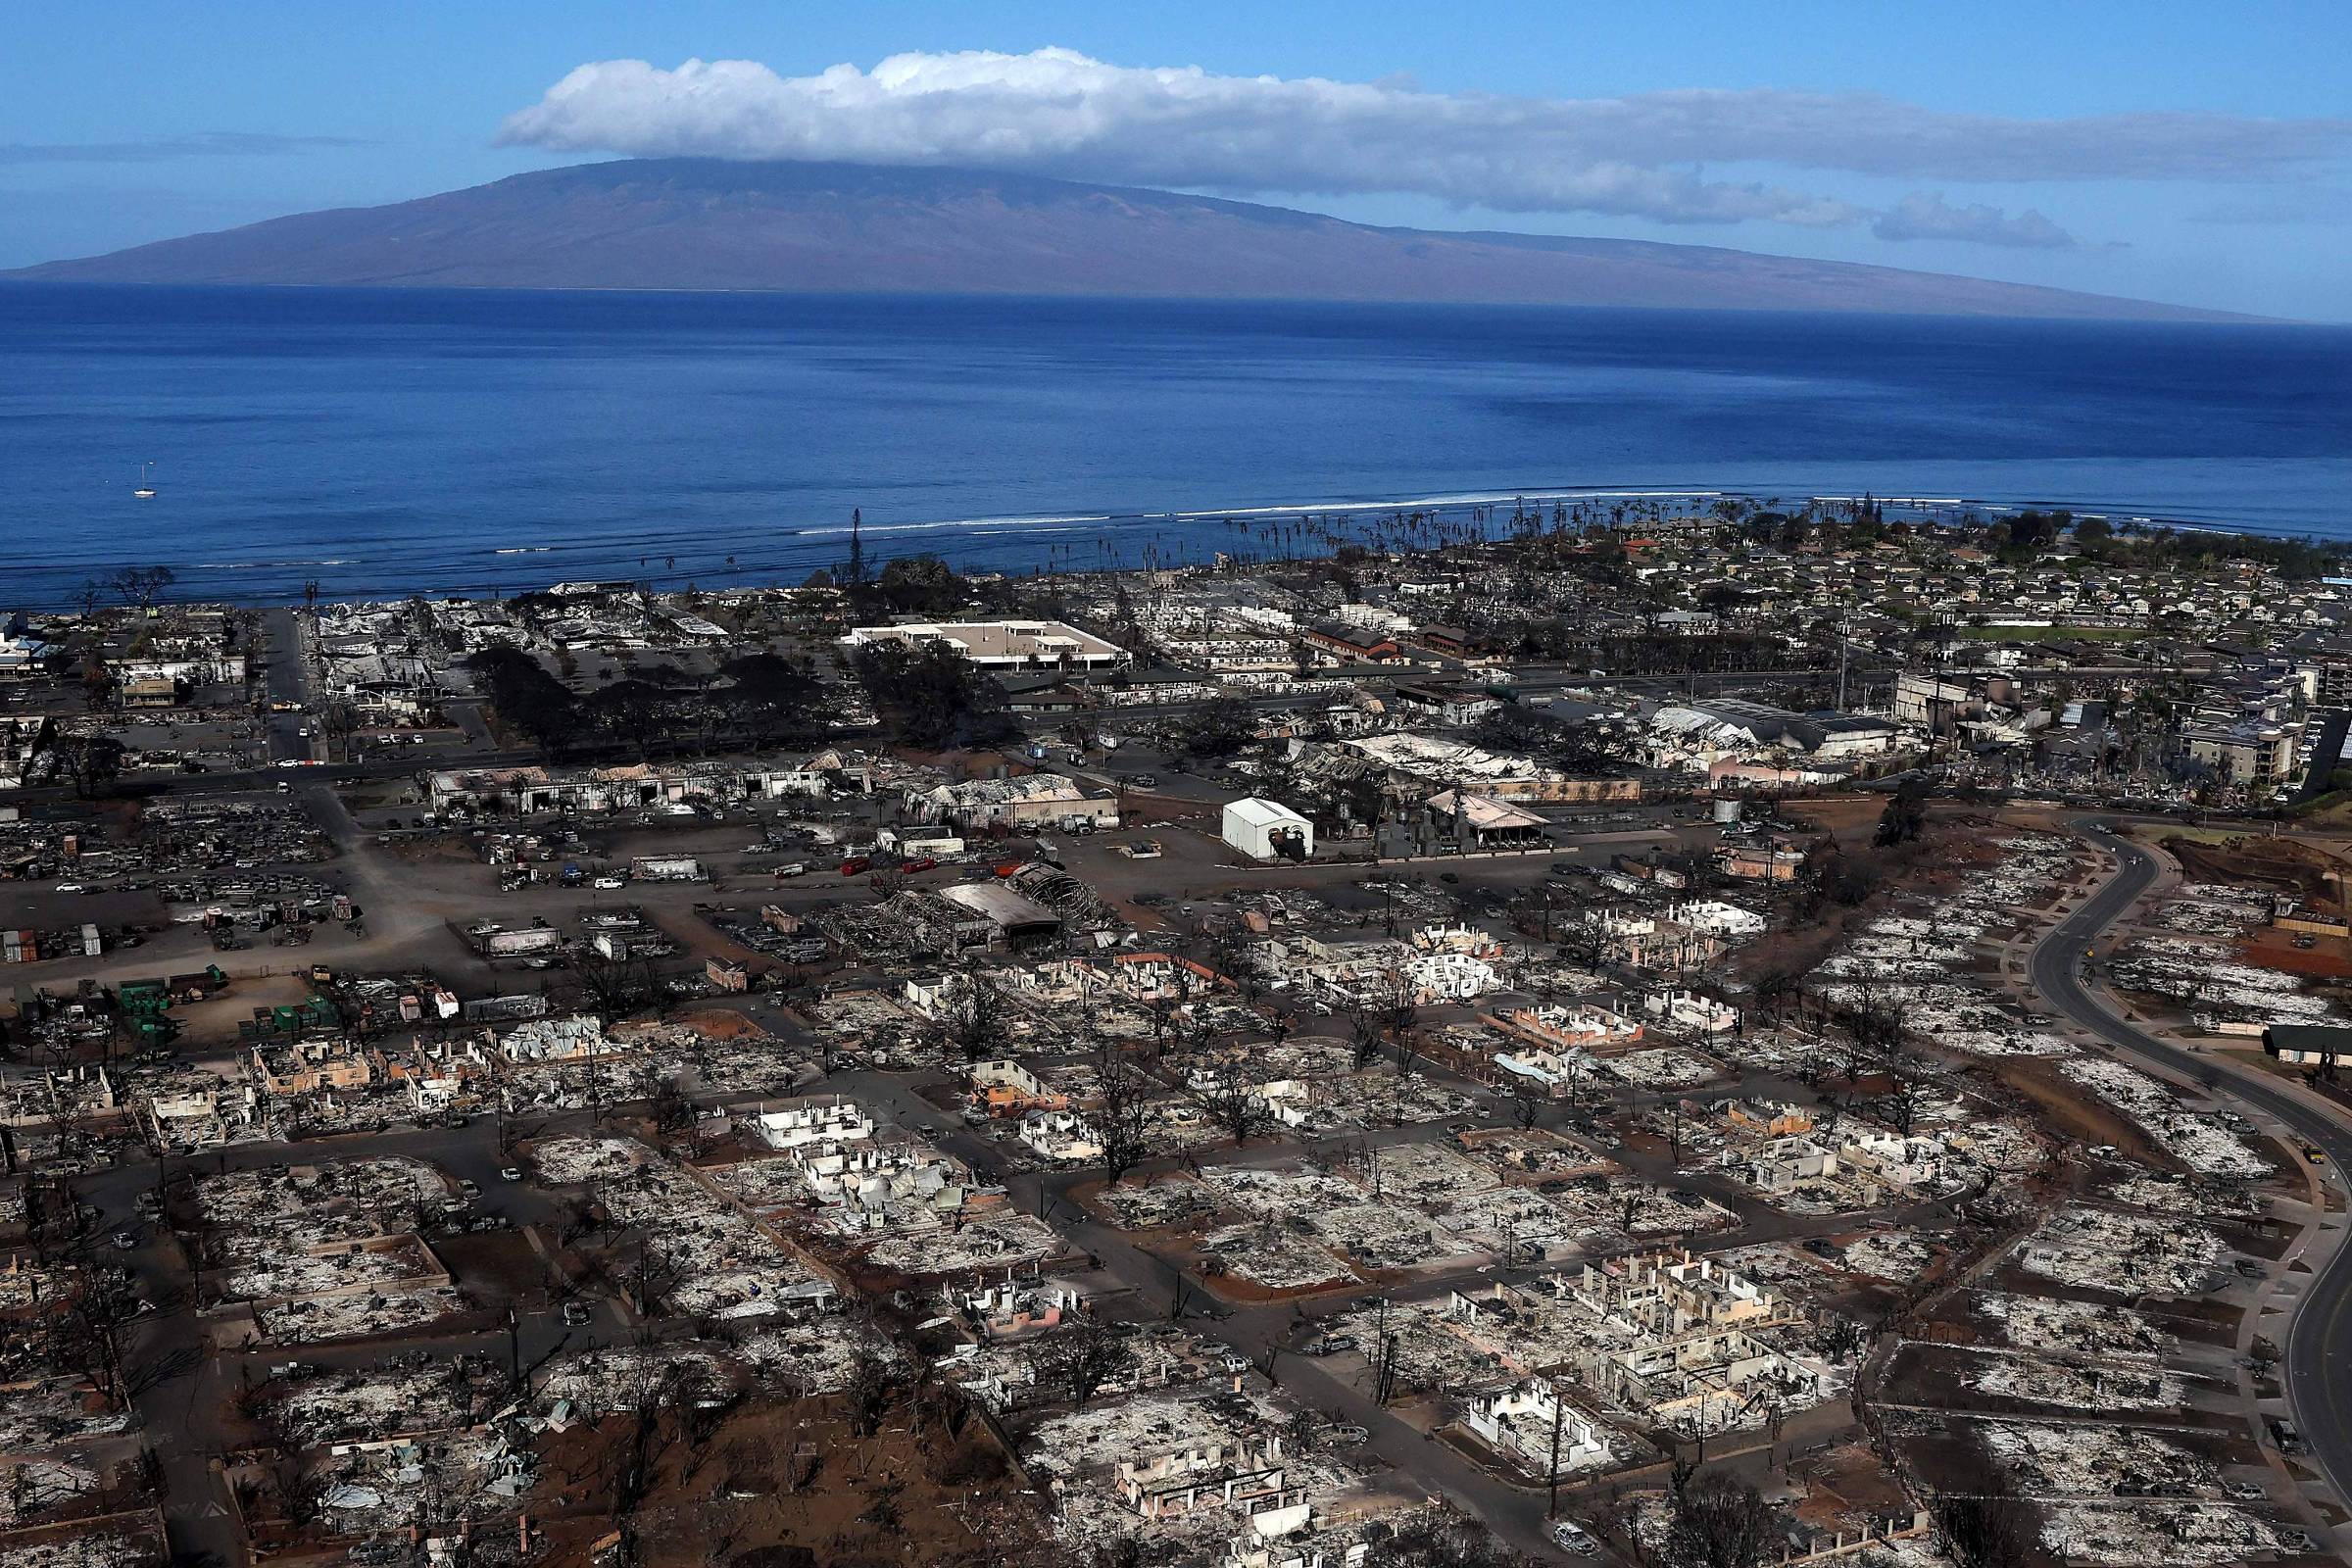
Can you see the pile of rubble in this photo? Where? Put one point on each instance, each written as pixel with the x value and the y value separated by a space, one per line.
pixel 1920 960
pixel 2202 975
pixel 703 1254
pixel 2123 1254
pixel 2202 1142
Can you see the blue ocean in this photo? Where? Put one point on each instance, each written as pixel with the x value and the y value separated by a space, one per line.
pixel 381 442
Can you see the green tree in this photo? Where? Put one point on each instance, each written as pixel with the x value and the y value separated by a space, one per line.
pixel 932 696
pixel 526 698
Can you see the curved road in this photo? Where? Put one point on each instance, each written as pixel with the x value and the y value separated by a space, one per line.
pixel 2319 1349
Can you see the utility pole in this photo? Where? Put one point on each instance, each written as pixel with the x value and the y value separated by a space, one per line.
pixel 1559 1415
pixel 1843 642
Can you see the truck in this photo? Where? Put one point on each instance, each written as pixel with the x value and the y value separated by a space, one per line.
pixel 934 846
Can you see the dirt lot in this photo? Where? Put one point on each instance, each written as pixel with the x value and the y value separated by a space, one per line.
pixel 2090 1120
pixel 800 1483
pixel 2276 862
pixel 1948 849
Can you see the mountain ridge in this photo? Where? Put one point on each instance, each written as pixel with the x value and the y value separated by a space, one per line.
pixel 709 225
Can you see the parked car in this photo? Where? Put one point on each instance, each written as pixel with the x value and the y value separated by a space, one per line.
pixel 1570 1536
pixel 575 1314
pixel 608 882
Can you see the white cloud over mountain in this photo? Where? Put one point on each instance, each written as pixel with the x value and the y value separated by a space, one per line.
pixel 1920 216
pixel 1055 112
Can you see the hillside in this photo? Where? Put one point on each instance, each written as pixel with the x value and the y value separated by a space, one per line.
pixel 701 223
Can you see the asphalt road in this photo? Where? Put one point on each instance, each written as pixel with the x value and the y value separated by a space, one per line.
pixel 2319 1348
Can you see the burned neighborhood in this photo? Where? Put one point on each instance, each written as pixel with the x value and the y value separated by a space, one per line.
pixel 1724 1038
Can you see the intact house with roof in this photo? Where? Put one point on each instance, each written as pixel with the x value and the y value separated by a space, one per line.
pixel 1353 645
pixel 2308 1044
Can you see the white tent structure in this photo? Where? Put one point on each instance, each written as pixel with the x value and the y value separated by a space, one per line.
pixel 1263 829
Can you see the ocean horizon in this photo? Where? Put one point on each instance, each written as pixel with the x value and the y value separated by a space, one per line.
pixel 389 441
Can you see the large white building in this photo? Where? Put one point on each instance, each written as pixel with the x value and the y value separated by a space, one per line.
pixel 1002 644
pixel 1263 829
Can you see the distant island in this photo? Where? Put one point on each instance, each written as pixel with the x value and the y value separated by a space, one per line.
pixel 713 225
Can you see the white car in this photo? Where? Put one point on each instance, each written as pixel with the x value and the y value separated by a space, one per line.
pixel 1573 1537
pixel 291 761
pixel 72 887
pixel 610 882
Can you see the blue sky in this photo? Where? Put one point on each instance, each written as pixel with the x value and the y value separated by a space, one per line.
pixel 2194 153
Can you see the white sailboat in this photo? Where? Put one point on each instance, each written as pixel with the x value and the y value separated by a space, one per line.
pixel 143 489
